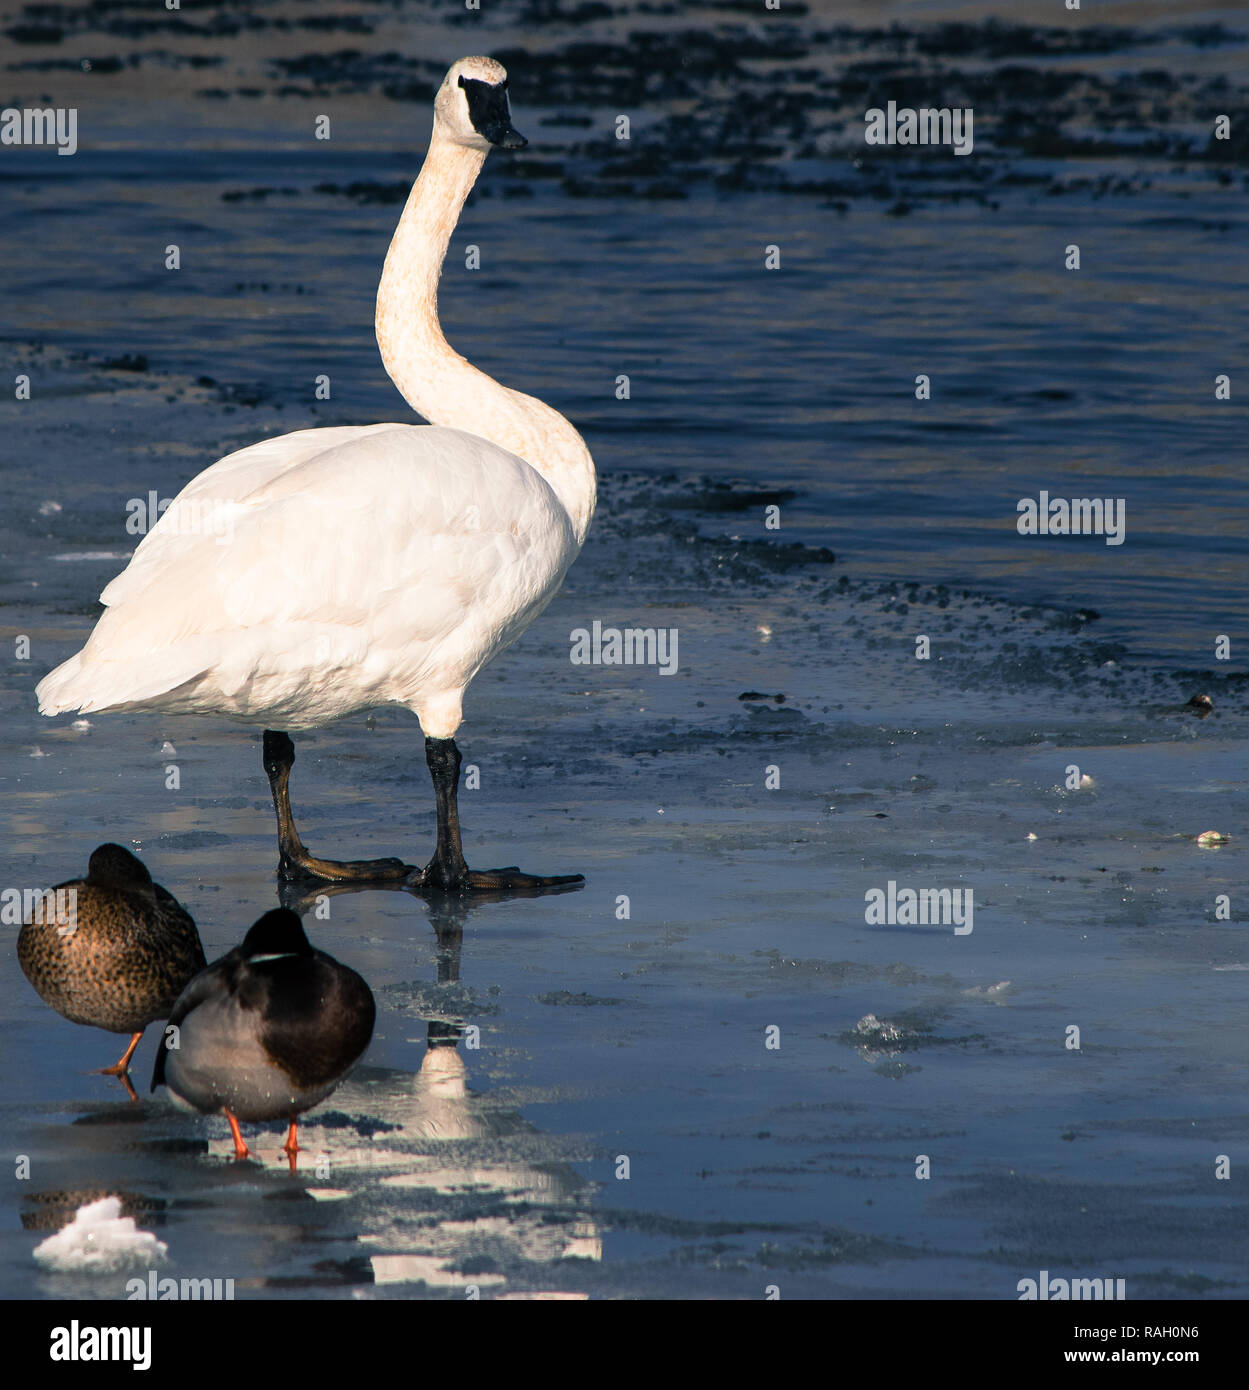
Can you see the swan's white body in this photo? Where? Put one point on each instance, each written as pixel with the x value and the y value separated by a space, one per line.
pixel 332 570
pixel 367 565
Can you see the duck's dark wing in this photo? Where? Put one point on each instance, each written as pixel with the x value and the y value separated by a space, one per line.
pixel 215 981
pixel 317 1019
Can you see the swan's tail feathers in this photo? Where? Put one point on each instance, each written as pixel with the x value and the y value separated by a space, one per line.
pixel 81 687
pixel 56 691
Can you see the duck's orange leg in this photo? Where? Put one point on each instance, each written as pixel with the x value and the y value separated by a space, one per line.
pixel 122 1067
pixel 124 1078
pixel 240 1145
pixel 292 1145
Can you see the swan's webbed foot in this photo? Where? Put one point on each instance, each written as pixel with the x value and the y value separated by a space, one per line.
pixel 301 866
pixel 439 878
pixel 512 878
pixel 295 864
pixel 447 872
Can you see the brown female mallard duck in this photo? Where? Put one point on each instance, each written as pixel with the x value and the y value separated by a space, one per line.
pixel 122 954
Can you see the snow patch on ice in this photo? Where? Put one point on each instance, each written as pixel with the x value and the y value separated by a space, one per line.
pixel 99 1239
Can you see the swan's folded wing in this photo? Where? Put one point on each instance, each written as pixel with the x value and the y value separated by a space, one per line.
pixel 208 504
pixel 401 552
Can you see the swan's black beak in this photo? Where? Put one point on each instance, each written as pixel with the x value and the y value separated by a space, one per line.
pixel 505 136
pixel 488 110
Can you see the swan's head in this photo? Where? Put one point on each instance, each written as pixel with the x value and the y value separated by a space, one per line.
pixel 471 106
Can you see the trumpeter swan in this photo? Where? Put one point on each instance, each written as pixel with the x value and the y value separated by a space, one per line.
pixel 364 564
pixel 267 1031
pixel 122 956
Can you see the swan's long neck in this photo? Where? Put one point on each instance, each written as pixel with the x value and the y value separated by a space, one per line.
pixel 431 376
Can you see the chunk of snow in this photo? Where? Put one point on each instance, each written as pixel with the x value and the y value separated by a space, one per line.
pixel 98 1239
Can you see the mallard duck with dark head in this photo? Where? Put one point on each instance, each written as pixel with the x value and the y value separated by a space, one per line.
pixel 120 957
pixel 267 1031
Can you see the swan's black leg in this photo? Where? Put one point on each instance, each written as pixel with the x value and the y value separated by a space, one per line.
pixel 446 871
pixel 447 868
pixel 294 861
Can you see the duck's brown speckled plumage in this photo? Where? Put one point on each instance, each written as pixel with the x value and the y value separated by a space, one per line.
pixel 125 955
